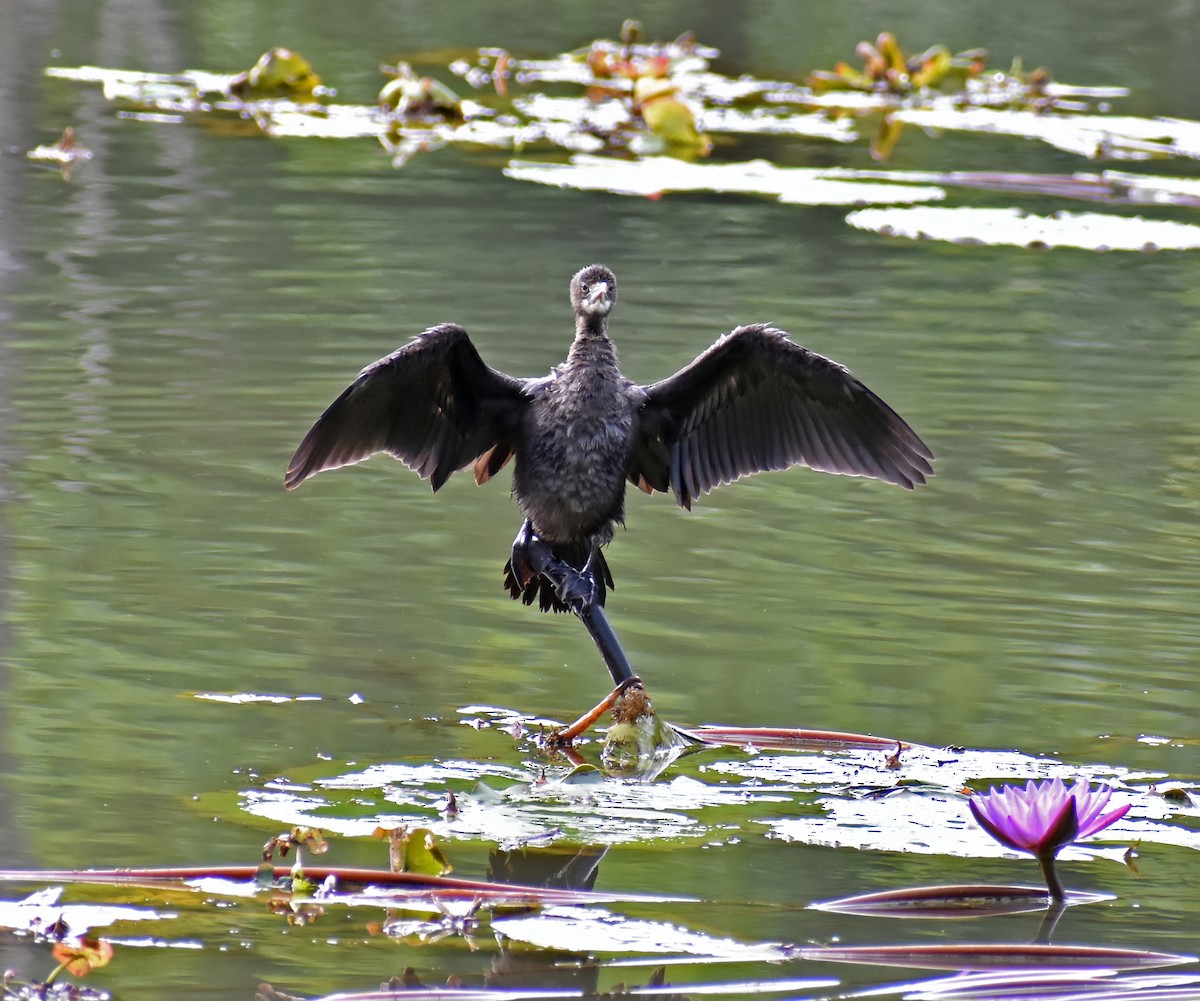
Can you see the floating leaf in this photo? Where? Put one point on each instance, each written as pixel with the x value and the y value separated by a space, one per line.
pixel 604 116
pixel 409 988
pixel 657 175
pixel 1173 792
pixel 669 86
pixel 669 118
pixel 241 698
pixel 583 775
pixel 781 121
pixel 990 956
pixel 775 736
pixel 1013 227
pixel 82 955
pixel 1108 186
pixel 279 72
pixel 963 901
pixel 845 795
pixel 386 888
pixel 1057 985
pixel 192 90
pixel 521 810
pixel 422 855
pixel 575 929
pixel 1094 136
pixel 41 911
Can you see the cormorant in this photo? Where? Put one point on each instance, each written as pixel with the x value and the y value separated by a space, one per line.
pixel 753 401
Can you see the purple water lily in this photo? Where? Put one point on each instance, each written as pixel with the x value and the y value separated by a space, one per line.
pixel 1043 817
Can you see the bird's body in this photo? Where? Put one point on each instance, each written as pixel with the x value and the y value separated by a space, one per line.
pixel 574 446
pixel 753 401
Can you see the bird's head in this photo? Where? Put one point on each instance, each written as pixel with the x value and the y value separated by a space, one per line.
pixel 593 291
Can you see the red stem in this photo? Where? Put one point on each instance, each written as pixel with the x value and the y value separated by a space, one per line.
pixel 414 883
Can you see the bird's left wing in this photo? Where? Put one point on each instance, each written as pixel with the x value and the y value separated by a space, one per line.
pixel 433 404
pixel 756 401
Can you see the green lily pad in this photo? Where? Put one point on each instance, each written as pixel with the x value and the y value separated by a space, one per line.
pixel 1016 228
pixel 653 176
pixel 1096 136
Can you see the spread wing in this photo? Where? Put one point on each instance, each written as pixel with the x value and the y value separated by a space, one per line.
pixel 433 404
pixel 756 401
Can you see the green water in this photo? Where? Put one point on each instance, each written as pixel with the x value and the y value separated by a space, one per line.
pixel 174 317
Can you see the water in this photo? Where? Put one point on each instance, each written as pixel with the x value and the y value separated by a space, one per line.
pixel 175 316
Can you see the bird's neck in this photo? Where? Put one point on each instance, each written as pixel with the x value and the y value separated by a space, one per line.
pixel 592 344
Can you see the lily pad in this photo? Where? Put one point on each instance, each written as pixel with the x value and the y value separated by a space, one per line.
pixel 508 806
pixel 960 901
pixel 1016 228
pixel 867 797
pixel 41 910
pixel 991 957
pixel 592 930
pixel 1119 137
pixel 653 176
pixel 1057 985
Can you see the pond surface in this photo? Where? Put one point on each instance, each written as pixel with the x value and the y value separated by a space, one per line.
pixel 175 315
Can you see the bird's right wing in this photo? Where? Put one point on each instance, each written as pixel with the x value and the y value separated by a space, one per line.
pixel 755 401
pixel 433 404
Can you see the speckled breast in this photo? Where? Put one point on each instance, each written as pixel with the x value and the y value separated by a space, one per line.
pixel 571 479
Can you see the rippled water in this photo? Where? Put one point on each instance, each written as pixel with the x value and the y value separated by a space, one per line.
pixel 175 316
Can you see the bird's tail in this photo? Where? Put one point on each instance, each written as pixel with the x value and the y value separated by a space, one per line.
pixel 542 591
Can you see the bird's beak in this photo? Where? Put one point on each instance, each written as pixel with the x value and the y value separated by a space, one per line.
pixel 598 295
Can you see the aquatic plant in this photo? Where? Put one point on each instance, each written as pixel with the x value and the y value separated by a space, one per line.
pixel 279 72
pixel 888 69
pixel 1042 818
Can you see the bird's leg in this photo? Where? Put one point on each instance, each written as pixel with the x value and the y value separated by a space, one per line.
pixel 576 588
pixel 595 621
pixel 531 557
pixel 523 570
pixel 586 571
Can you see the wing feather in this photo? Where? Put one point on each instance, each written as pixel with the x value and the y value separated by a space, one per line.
pixel 756 400
pixel 433 404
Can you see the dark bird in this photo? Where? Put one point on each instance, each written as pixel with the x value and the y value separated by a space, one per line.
pixel 753 401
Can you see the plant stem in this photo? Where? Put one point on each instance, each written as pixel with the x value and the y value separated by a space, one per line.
pixel 1055 887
